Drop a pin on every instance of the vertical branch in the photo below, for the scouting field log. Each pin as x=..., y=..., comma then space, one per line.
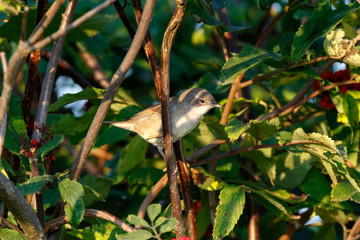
x=184, y=174
x=112, y=89
x=32, y=73
x=3, y=123
x=165, y=116
x=149, y=49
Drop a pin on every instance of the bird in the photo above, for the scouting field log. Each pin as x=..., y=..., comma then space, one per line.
x=186, y=111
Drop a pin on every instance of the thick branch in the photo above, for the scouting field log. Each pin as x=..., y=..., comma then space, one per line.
x=21, y=210
x=112, y=89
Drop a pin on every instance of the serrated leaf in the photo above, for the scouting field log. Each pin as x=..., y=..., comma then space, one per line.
x=9, y=234
x=249, y=57
x=75, y=213
x=52, y=144
x=136, y=235
x=159, y=221
x=135, y=220
x=168, y=225
x=153, y=211
x=323, y=20
x=34, y=184
x=71, y=191
x=229, y=210
x=344, y=191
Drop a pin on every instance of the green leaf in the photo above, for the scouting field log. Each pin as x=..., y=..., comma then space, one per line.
x=249, y=57
x=96, y=189
x=316, y=186
x=202, y=12
x=351, y=110
x=71, y=192
x=34, y=184
x=75, y=213
x=168, y=225
x=136, y=235
x=326, y=232
x=16, y=129
x=132, y=155
x=52, y=144
x=292, y=168
x=9, y=234
x=159, y=221
x=261, y=130
x=322, y=21
x=153, y=211
x=208, y=181
x=135, y=220
x=344, y=191
x=218, y=4
x=228, y=212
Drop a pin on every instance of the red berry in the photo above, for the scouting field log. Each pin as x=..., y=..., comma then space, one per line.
x=28, y=154
x=331, y=106
x=52, y=158
x=327, y=75
x=316, y=85
x=343, y=89
x=34, y=142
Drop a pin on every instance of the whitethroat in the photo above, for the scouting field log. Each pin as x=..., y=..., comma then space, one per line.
x=186, y=111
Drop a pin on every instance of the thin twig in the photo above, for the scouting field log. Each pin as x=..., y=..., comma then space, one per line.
x=112, y=89
x=248, y=149
x=3, y=124
x=56, y=223
x=24, y=23
x=33, y=159
x=354, y=230
x=295, y=225
x=151, y=195
x=165, y=115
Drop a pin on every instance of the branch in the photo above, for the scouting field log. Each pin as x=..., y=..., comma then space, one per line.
x=56, y=223
x=354, y=231
x=295, y=225
x=3, y=122
x=165, y=115
x=252, y=148
x=21, y=210
x=112, y=89
x=151, y=195
x=10, y=225
x=185, y=183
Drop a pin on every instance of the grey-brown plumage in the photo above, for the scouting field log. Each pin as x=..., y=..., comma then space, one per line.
x=186, y=111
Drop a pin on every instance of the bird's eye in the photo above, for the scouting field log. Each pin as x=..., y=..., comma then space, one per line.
x=202, y=101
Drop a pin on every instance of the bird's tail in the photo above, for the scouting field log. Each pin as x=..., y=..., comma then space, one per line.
x=120, y=124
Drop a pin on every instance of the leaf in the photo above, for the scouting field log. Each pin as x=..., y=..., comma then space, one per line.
x=326, y=232
x=16, y=129
x=34, y=184
x=52, y=144
x=136, y=235
x=71, y=192
x=265, y=4
x=9, y=234
x=206, y=180
x=316, y=186
x=159, y=221
x=218, y=4
x=322, y=21
x=96, y=189
x=153, y=211
x=292, y=169
x=132, y=155
x=201, y=12
x=344, y=191
x=261, y=130
x=135, y=220
x=168, y=225
x=229, y=210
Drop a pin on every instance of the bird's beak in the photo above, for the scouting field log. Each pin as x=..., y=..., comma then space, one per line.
x=217, y=105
